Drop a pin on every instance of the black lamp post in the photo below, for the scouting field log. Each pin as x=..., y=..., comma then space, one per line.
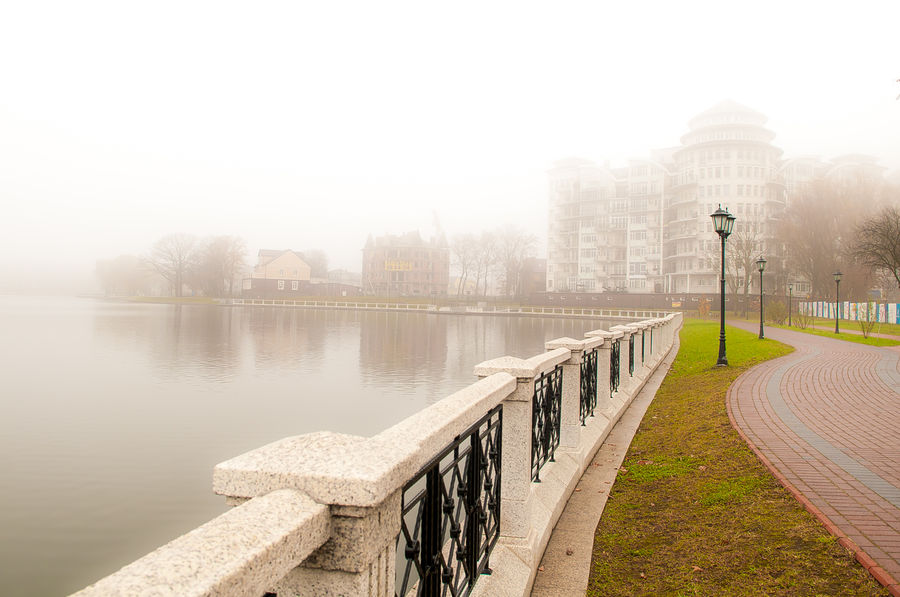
x=837, y=303
x=790, y=302
x=761, y=265
x=723, y=223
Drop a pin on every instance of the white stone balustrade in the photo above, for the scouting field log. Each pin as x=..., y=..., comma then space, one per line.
x=319, y=514
x=238, y=553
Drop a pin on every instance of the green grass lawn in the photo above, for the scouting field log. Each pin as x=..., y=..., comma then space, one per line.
x=694, y=512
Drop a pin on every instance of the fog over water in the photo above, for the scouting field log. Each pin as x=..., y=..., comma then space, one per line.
x=119, y=411
x=298, y=125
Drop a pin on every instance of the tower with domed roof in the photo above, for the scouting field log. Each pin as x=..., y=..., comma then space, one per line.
x=726, y=158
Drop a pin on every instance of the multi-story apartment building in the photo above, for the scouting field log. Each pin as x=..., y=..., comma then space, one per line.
x=726, y=158
x=405, y=265
x=606, y=226
x=646, y=227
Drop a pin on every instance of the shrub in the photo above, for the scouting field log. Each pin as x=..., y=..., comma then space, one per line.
x=776, y=311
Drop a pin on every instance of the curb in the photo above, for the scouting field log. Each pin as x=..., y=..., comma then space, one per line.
x=879, y=573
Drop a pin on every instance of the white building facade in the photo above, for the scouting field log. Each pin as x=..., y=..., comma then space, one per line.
x=645, y=227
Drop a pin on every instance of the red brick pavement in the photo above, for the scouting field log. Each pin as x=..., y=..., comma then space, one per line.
x=826, y=420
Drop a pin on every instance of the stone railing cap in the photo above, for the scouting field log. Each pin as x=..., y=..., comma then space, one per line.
x=546, y=361
x=565, y=342
x=523, y=368
x=611, y=335
x=237, y=553
x=593, y=342
x=514, y=366
x=334, y=468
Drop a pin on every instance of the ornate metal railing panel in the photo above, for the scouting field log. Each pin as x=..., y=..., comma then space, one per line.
x=614, y=359
x=451, y=514
x=642, y=345
x=631, y=354
x=588, y=385
x=545, y=417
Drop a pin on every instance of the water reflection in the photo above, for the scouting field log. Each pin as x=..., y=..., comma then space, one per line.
x=404, y=349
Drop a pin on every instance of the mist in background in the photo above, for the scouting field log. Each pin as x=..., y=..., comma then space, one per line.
x=297, y=125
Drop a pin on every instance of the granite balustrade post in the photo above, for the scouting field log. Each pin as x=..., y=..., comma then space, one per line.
x=658, y=340
x=570, y=423
x=604, y=391
x=570, y=418
x=626, y=379
x=357, y=478
x=515, y=484
x=359, y=558
x=641, y=366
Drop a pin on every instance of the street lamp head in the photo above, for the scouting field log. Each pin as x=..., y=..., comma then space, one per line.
x=720, y=221
x=837, y=276
x=729, y=223
x=761, y=264
x=790, y=288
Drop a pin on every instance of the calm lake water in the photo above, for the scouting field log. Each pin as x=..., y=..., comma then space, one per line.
x=114, y=414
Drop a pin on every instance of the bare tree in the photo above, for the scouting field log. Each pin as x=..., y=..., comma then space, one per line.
x=465, y=252
x=317, y=261
x=172, y=257
x=235, y=260
x=745, y=247
x=817, y=230
x=486, y=259
x=877, y=242
x=513, y=247
x=218, y=263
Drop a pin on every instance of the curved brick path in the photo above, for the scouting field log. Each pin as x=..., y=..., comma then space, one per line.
x=826, y=420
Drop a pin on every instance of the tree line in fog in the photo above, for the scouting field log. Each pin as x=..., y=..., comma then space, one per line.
x=497, y=256
x=212, y=266
x=829, y=226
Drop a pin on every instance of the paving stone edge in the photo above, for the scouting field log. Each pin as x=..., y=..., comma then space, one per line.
x=879, y=573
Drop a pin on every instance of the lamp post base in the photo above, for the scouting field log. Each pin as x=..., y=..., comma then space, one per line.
x=723, y=360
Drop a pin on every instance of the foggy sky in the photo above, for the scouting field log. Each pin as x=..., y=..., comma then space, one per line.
x=301, y=125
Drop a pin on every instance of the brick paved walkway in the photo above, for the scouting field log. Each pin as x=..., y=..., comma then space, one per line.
x=826, y=420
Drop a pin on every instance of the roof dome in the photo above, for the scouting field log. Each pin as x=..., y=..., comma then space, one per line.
x=727, y=112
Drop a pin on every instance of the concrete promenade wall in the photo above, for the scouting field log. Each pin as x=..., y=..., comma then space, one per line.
x=320, y=513
x=530, y=311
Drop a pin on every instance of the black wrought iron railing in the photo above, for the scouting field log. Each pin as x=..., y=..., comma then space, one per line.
x=614, y=360
x=451, y=514
x=588, y=400
x=545, y=417
x=642, y=345
x=631, y=354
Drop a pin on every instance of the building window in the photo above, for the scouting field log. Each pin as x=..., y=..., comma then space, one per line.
x=280, y=284
x=295, y=285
